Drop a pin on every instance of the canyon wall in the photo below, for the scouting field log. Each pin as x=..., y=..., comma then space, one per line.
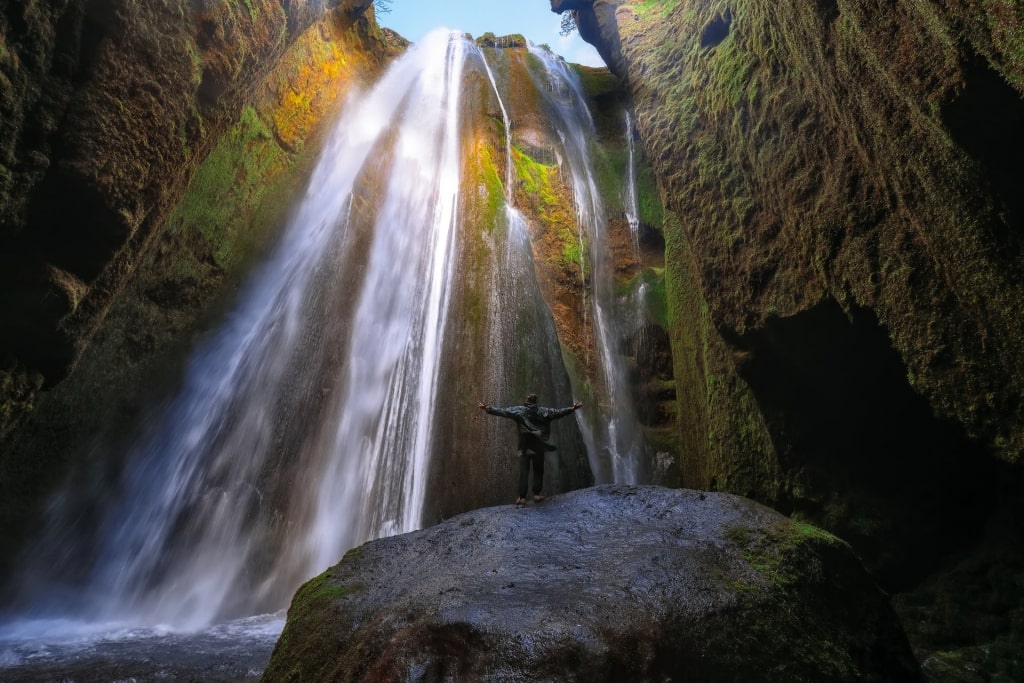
x=108, y=109
x=844, y=259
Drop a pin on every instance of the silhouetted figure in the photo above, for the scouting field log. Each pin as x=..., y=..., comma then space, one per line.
x=534, y=424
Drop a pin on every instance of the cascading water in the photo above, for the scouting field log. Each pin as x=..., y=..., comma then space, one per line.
x=637, y=298
x=308, y=423
x=619, y=446
x=384, y=421
x=211, y=488
x=631, y=204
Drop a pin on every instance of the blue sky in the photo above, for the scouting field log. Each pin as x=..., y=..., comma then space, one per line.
x=413, y=19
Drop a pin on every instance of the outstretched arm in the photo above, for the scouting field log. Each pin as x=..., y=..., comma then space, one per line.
x=491, y=410
x=562, y=412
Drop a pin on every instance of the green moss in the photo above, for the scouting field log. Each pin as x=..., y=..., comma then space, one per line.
x=319, y=588
x=654, y=9
x=610, y=166
x=491, y=181
x=650, y=208
x=572, y=254
x=539, y=188
x=656, y=295
x=534, y=178
x=784, y=552
x=597, y=82
x=227, y=190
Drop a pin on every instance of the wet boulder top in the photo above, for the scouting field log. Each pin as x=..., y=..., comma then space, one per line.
x=603, y=584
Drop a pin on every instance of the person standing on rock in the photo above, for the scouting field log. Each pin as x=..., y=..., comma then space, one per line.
x=534, y=424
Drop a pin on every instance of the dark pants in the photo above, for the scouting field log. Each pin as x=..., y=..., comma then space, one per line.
x=531, y=450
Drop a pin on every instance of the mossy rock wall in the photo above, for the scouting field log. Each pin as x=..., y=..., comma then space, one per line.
x=213, y=228
x=109, y=108
x=833, y=157
x=843, y=252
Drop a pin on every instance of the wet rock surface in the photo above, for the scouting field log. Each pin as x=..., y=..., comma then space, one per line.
x=607, y=583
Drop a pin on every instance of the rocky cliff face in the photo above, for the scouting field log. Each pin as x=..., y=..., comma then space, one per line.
x=844, y=256
x=108, y=108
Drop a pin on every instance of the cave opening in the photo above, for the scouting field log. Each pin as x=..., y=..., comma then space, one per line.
x=863, y=453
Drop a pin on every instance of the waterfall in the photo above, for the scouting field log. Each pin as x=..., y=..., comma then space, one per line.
x=291, y=440
x=382, y=437
x=309, y=421
x=618, y=454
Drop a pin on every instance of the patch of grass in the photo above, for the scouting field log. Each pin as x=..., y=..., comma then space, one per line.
x=654, y=9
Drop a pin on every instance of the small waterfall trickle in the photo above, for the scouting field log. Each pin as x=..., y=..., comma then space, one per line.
x=636, y=300
x=619, y=454
x=631, y=204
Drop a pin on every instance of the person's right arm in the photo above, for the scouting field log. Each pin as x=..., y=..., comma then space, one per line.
x=492, y=410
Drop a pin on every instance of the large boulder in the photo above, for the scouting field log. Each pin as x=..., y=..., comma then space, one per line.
x=609, y=583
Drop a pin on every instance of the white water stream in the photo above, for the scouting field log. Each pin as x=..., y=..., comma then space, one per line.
x=184, y=545
x=292, y=440
x=631, y=204
x=618, y=452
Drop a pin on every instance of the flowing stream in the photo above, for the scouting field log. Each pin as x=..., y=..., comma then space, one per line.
x=305, y=424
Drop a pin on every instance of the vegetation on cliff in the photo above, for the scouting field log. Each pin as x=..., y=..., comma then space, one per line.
x=843, y=258
x=213, y=227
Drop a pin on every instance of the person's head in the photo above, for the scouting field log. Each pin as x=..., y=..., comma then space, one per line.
x=531, y=399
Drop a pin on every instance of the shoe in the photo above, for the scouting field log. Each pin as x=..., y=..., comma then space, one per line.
x=538, y=497
x=520, y=501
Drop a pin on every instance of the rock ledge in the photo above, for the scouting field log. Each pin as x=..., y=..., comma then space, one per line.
x=604, y=584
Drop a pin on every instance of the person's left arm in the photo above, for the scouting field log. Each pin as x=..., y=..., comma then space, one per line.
x=555, y=413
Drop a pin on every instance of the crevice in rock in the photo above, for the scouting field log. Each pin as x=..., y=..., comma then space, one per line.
x=211, y=89
x=863, y=453
x=986, y=120
x=74, y=229
x=717, y=31
x=829, y=10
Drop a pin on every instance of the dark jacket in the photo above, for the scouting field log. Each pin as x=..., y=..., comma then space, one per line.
x=534, y=422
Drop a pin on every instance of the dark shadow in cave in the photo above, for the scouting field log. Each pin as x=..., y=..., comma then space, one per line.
x=717, y=31
x=987, y=120
x=864, y=454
